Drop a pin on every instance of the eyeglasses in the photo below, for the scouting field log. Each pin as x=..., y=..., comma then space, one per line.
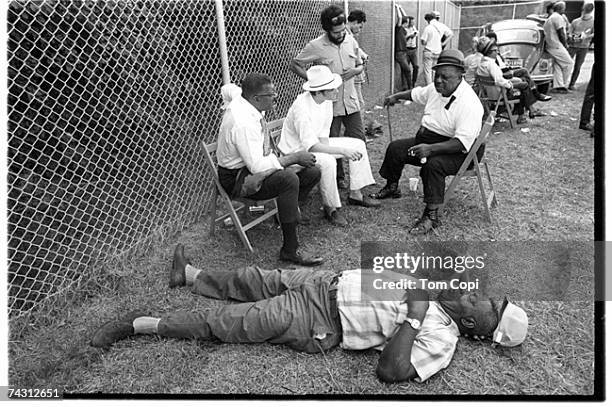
x=268, y=94
x=339, y=19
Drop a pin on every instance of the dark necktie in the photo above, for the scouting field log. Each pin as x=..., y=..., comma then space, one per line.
x=450, y=102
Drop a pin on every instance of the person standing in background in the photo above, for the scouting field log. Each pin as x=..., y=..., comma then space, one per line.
x=340, y=53
x=556, y=45
x=432, y=46
x=412, y=43
x=401, y=54
x=581, y=32
x=446, y=32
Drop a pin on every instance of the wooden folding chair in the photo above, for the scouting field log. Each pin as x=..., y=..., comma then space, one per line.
x=240, y=204
x=489, y=200
x=491, y=94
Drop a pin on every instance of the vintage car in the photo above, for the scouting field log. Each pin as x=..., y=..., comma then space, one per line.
x=521, y=43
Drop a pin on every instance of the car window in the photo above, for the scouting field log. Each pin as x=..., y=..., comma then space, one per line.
x=517, y=35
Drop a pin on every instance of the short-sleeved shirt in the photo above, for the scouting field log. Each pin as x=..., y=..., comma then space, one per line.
x=338, y=58
x=412, y=42
x=371, y=324
x=552, y=24
x=462, y=120
x=241, y=139
x=582, y=25
x=432, y=38
x=307, y=121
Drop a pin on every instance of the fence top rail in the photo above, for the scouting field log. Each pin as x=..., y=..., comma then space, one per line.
x=502, y=5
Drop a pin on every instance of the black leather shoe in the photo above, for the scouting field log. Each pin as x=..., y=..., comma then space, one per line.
x=427, y=223
x=297, y=258
x=559, y=90
x=114, y=331
x=544, y=98
x=366, y=202
x=536, y=113
x=388, y=191
x=587, y=127
x=177, y=274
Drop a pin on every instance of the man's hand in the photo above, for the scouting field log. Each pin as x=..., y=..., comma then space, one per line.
x=391, y=100
x=420, y=150
x=351, y=154
x=349, y=73
x=305, y=159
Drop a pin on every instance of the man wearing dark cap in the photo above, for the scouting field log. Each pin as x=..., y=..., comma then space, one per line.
x=451, y=123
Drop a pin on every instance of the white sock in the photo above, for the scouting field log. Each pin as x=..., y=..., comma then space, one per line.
x=145, y=325
x=191, y=273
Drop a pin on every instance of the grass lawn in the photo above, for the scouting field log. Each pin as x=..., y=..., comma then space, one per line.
x=545, y=185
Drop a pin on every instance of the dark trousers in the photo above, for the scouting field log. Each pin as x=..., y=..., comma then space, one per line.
x=526, y=98
x=402, y=59
x=353, y=127
x=287, y=186
x=433, y=172
x=580, y=54
x=293, y=307
x=587, y=103
x=412, y=54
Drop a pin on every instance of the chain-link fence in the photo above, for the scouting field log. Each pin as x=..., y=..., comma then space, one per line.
x=108, y=102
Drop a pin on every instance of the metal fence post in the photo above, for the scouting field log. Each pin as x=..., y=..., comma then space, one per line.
x=393, y=17
x=222, y=41
x=346, y=8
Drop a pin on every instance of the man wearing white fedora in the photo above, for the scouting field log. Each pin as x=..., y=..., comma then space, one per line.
x=306, y=128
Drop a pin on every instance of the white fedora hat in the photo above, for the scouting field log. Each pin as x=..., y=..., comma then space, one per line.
x=321, y=78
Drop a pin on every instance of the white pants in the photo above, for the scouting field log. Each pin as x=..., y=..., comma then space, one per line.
x=562, y=67
x=360, y=173
x=429, y=60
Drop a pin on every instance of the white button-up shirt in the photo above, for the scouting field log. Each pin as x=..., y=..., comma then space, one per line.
x=306, y=122
x=241, y=139
x=462, y=120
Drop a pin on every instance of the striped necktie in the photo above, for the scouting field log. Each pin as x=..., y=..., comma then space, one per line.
x=266, y=137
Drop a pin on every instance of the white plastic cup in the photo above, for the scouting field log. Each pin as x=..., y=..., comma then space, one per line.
x=414, y=184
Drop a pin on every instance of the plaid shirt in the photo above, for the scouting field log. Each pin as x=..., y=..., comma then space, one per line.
x=368, y=323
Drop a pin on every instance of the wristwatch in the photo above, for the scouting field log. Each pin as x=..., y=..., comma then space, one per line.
x=414, y=323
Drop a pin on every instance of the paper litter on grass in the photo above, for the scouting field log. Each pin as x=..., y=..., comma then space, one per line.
x=525, y=130
x=554, y=113
x=377, y=107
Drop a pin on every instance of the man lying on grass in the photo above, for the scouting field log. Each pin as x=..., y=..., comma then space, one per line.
x=315, y=310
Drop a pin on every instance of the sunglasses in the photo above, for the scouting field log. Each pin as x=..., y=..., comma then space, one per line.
x=268, y=95
x=339, y=19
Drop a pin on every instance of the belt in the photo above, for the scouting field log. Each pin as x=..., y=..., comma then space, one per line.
x=411, y=48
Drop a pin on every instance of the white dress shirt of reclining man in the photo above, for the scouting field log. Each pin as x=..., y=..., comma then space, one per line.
x=315, y=310
x=451, y=122
x=249, y=167
x=306, y=128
